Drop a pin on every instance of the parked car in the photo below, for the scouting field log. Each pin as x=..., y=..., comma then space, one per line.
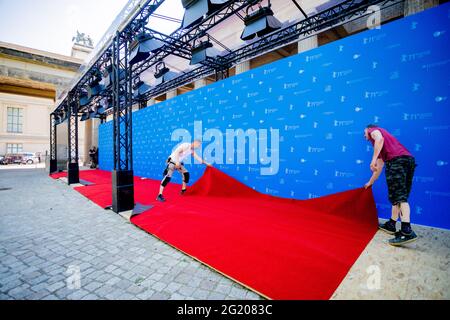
x=3, y=161
x=29, y=158
x=13, y=158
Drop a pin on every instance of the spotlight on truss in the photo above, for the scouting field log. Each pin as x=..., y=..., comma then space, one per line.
x=142, y=46
x=140, y=88
x=95, y=90
x=61, y=116
x=260, y=22
x=106, y=104
x=57, y=118
x=202, y=51
x=197, y=9
x=85, y=116
x=97, y=111
x=109, y=76
x=101, y=108
x=84, y=99
x=163, y=74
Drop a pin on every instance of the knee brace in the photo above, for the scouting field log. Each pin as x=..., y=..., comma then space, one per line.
x=166, y=181
x=186, y=177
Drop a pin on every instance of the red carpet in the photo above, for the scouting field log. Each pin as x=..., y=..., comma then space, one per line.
x=58, y=175
x=281, y=248
x=94, y=176
x=100, y=192
x=284, y=249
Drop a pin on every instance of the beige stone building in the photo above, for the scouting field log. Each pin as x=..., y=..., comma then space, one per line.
x=30, y=82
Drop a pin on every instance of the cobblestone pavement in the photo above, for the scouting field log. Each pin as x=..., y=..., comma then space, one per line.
x=50, y=235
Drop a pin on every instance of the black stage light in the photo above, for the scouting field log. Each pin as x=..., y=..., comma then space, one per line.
x=84, y=99
x=163, y=74
x=93, y=113
x=63, y=116
x=85, y=116
x=109, y=76
x=197, y=9
x=57, y=118
x=142, y=46
x=98, y=112
x=140, y=88
x=259, y=22
x=106, y=104
x=94, y=90
x=96, y=76
x=201, y=52
x=100, y=109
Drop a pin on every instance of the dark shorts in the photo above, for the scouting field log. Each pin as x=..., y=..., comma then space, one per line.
x=399, y=176
x=171, y=168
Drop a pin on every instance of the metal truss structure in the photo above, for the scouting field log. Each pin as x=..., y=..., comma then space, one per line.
x=122, y=104
x=322, y=21
x=180, y=43
x=72, y=164
x=123, y=188
x=53, y=143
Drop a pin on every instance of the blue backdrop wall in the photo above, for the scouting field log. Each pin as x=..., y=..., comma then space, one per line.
x=319, y=103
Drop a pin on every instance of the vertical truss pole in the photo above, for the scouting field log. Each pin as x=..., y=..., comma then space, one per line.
x=72, y=161
x=122, y=177
x=129, y=110
x=53, y=144
x=116, y=101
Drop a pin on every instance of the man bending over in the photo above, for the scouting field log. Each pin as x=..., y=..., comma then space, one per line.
x=400, y=167
x=175, y=162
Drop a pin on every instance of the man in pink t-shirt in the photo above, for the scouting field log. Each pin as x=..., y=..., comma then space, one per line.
x=400, y=167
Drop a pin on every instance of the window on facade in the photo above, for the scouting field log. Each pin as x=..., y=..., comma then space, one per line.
x=15, y=120
x=14, y=148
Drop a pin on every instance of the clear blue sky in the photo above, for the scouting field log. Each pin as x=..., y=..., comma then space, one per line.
x=50, y=24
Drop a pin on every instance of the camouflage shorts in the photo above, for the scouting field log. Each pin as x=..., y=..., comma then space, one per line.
x=399, y=176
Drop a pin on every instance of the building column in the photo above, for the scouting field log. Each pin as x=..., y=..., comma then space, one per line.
x=199, y=83
x=171, y=94
x=95, y=127
x=308, y=44
x=151, y=102
x=86, y=143
x=415, y=6
x=62, y=147
x=243, y=67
